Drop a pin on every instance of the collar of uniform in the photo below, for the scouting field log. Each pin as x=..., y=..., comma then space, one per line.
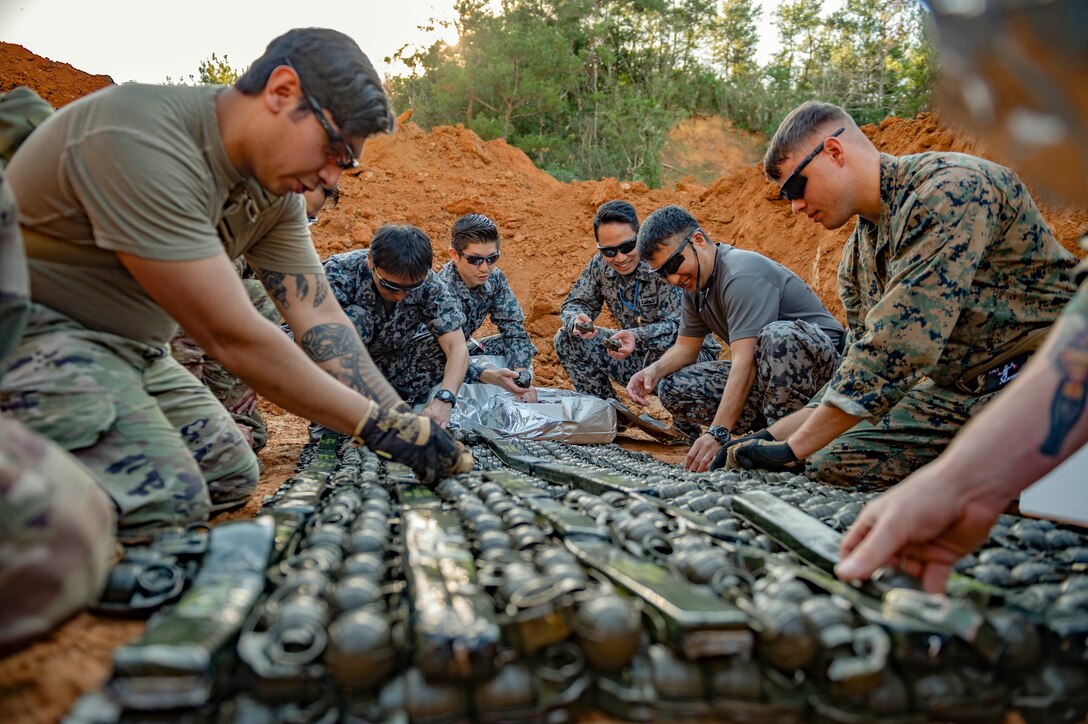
x=889, y=192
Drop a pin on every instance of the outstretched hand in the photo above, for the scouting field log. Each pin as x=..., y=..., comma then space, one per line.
x=922, y=526
x=641, y=384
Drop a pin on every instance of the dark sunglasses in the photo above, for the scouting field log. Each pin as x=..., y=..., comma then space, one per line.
x=793, y=187
x=397, y=288
x=609, y=252
x=346, y=155
x=478, y=260
x=672, y=264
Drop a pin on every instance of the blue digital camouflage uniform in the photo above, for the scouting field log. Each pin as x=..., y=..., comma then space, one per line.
x=389, y=330
x=641, y=302
x=56, y=523
x=960, y=268
x=226, y=387
x=495, y=298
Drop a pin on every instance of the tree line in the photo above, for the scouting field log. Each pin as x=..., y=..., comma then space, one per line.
x=590, y=88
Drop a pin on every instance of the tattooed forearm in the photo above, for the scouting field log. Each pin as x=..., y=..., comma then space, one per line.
x=328, y=341
x=273, y=283
x=1070, y=359
x=276, y=284
x=321, y=291
x=340, y=345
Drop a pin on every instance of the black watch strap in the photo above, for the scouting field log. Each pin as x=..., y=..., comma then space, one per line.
x=446, y=396
x=719, y=433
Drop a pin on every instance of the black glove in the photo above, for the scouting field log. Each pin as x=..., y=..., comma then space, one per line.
x=416, y=441
x=774, y=456
x=720, y=458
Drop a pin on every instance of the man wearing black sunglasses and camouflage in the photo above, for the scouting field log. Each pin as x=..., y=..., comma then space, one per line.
x=950, y=281
x=133, y=202
x=645, y=306
x=473, y=279
x=783, y=343
x=390, y=293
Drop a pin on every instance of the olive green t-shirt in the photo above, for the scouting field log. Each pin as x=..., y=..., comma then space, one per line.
x=142, y=170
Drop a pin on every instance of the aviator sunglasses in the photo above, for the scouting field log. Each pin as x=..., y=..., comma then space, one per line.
x=478, y=260
x=397, y=288
x=793, y=188
x=609, y=252
x=672, y=264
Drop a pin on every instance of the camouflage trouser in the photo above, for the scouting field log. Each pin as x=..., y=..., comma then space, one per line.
x=590, y=368
x=228, y=389
x=793, y=361
x=56, y=534
x=913, y=433
x=154, y=437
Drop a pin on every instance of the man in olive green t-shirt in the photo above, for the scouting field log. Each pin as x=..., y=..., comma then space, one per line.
x=133, y=201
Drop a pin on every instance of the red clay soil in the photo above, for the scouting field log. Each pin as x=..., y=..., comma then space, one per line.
x=429, y=179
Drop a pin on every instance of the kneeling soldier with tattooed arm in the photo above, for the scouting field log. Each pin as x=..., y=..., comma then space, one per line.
x=133, y=202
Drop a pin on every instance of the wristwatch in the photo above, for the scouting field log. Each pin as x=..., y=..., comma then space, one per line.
x=719, y=433
x=446, y=396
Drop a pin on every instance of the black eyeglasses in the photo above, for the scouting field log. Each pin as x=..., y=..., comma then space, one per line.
x=672, y=264
x=793, y=187
x=346, y=154
x=609, y=252
x=478, y=260
x=397, y=288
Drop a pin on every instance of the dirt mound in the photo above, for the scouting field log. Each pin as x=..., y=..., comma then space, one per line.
x=704, y=148
x=58, y=83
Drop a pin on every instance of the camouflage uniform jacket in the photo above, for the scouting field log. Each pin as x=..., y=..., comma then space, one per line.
x=960, y=268
x=494, y=297
x=431, y=305
x=643, y=303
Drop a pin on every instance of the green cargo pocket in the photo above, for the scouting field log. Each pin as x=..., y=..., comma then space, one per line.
x=73, y=421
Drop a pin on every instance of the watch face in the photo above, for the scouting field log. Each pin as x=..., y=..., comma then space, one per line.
x=445, y=396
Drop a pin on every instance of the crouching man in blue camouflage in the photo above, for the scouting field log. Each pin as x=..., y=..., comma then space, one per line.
x=56, y=523
x=644, y=305
x=783, y=342
x=389, y=292
x=482, y=290
x=950, y=280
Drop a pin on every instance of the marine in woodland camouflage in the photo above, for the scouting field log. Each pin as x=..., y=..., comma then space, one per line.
x=390, y=331
x=960, y=268
x=793, y=360
x=653, y=316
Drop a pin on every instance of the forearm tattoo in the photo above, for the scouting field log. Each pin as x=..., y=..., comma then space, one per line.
x=1070, y=358
x=275, y=283
x=338, y=343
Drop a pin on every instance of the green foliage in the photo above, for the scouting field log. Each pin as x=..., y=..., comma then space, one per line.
x=590, y=88
x=211, y=71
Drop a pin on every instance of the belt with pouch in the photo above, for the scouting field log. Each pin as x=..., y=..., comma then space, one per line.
x=999, y=371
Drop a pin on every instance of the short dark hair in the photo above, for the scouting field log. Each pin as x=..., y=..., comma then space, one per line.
x=615, y=212
x=662, y=225
x=402, y=249
x=474, y=229
x=335, y=71
x=796, y=128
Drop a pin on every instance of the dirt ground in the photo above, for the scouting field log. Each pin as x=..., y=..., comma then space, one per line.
x=429, y=179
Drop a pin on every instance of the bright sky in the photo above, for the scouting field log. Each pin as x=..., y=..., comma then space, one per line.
x=148, y=40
